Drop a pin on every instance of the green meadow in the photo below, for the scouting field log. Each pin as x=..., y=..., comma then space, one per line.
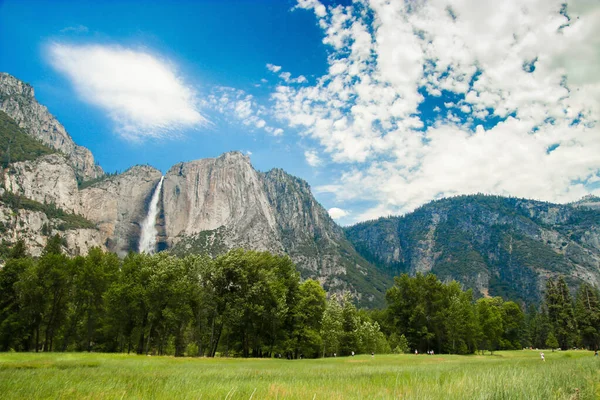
x=504, y=375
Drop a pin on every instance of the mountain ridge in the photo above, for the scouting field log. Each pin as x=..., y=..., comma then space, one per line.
x=17, y=100
x=495, y=245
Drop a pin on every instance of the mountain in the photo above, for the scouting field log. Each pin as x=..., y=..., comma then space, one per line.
x=495, y=245
x=205, y=206
x=17, y=100
x=216, y=204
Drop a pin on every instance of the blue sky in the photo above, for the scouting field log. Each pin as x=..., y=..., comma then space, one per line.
x=380, y=106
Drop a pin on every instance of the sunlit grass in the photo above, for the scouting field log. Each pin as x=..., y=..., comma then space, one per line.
x=505, y=375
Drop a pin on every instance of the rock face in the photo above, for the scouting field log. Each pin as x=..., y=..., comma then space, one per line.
x=213, y=205
x=498, y=246
x=18, y=101
x=34, y=227
x=48, y=179
x=207, y=194
x=118, y=205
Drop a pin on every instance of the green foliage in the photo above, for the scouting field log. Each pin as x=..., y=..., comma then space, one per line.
x=81, y=184
x=308, y=317
x=587, y=314
x=243, y=303
x=252, y=304
x=489, y=313
x=16, y=144
x=332, y=327
x=402, y=346
x=551, y=342
x=561, y=312
x=431, y=315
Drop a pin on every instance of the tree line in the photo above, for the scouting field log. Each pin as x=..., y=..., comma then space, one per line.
x=243, y=303
x=253, y=304
x=430, y=315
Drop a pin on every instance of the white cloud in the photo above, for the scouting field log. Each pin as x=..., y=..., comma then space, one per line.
x=337, y=213
x=287, y=76
x=273, y=68
x=143, y=94
x=312, y=158
x=318, y=8
x=523, y=67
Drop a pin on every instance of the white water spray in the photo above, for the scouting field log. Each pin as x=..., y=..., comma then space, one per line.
x=149, y=232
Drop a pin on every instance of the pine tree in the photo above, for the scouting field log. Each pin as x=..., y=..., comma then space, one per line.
x=560, y=312
x=587, y=313
x=551, y=342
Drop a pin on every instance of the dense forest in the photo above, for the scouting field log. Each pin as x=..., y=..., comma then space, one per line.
x=252, y=304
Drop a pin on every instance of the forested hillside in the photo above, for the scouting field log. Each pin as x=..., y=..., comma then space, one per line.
x=498, y=246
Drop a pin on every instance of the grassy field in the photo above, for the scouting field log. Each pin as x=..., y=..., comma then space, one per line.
x=505, y=375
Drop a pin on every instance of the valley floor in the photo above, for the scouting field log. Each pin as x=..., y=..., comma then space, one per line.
x=505, y=375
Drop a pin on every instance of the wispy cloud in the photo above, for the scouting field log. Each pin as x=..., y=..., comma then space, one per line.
x=312, y=158
x=142, y=93
x=75, y=29
x=514, y=89
x=286, y=76
x=241, y=106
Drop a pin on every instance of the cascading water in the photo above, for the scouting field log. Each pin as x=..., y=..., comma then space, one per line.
x=149, y=232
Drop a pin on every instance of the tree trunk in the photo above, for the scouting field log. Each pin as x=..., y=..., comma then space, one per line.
x=148, y=341
x=215, y=344
x=37, y=338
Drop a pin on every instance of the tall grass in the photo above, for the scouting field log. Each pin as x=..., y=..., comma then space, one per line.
x=505, y=375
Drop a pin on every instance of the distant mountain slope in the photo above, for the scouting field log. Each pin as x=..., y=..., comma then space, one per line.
x=496, y=245
x=18, y=101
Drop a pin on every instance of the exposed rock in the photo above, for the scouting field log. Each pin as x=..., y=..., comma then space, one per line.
x=81, y=241
x=207, y=194
x=48, y=179
x=29, y=226
x=118, y=205
x=18, y=101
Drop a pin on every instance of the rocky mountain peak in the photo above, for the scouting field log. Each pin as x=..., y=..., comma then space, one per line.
x=18, y=101
x=589, y=201
x=11, y=86
x=234, y=156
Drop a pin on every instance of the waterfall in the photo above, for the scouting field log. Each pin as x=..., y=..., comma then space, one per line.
x=149, y=232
